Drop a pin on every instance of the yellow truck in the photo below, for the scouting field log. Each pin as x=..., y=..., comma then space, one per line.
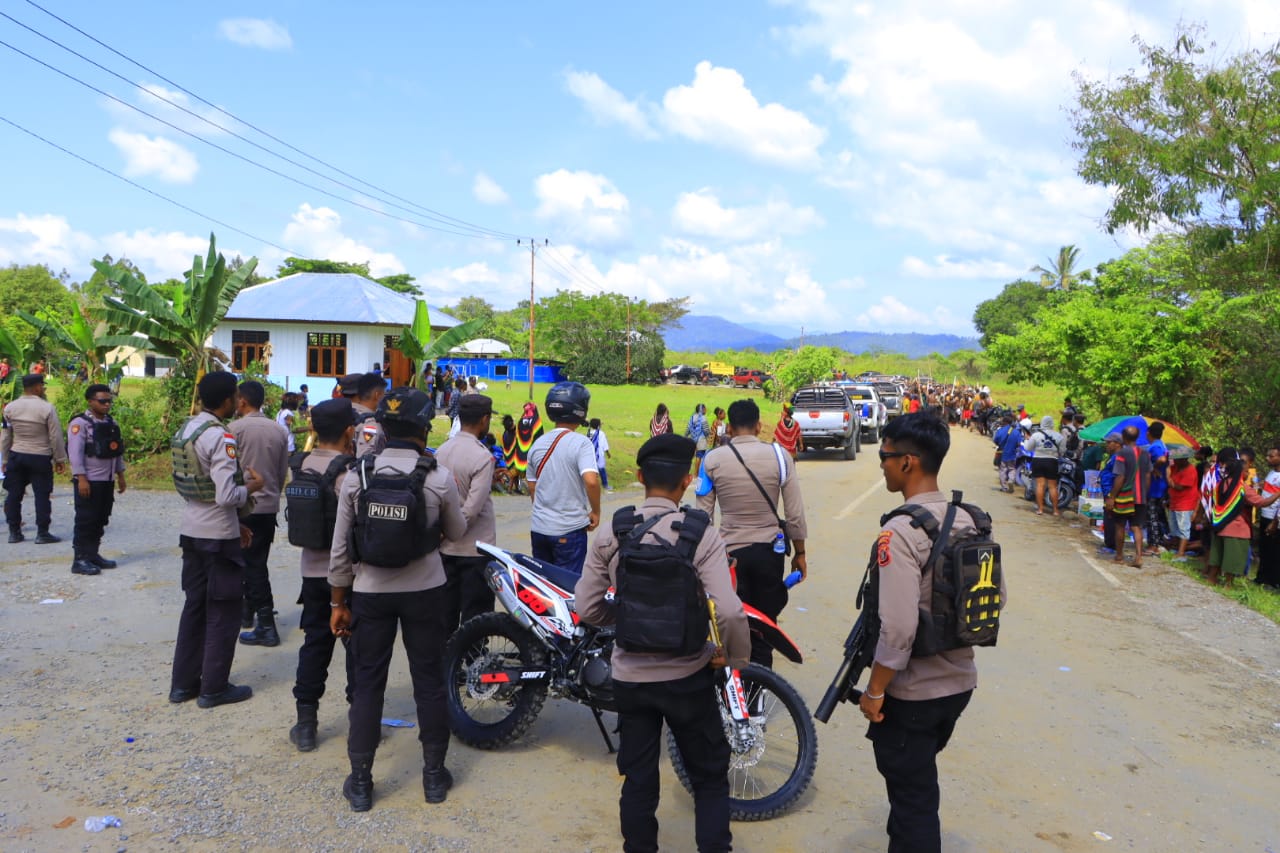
x=717, y=371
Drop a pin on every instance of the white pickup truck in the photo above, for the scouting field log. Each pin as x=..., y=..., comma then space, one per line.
x=827, y=419
x=872, y=412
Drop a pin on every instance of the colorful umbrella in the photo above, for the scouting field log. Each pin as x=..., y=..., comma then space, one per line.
x=1172, y=433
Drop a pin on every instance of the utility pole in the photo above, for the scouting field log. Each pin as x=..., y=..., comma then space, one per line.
x=802, y=337
x=628, y=374
x=533, y=248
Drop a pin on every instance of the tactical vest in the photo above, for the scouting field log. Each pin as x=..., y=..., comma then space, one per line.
x=661, y=604
x=390, y=529
x=190, y=481
x=104, y=440
x=965, y=606
x=311, y=508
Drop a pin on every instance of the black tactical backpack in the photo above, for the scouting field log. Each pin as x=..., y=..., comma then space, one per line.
x=966, y=604
x=390, y=529
x=661, y=604
x=311, y=505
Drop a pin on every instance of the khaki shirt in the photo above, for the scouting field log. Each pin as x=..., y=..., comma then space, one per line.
x=369, y=436
x=95, y=469
x=472, y=467
x=905, y=590
x=441, y=495
x=599, y=573
x=31, y=425
x=218, y=455
x=264, y=447
x=745, y=517
x=314, y=561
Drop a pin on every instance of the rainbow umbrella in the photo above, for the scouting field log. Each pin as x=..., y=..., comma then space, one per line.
x=1172, y=432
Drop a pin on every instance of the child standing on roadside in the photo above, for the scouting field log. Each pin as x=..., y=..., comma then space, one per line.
x=600, y=442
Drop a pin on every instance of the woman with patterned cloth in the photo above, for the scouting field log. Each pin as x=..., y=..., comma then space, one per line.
x=661, y=422
x=528, y=430
x=1232, y=495
x=699, y=430
x=787, y=433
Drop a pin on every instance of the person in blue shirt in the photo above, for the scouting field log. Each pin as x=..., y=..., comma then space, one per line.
x=1010, y=443
x=1106, y=479
x=1158, y=496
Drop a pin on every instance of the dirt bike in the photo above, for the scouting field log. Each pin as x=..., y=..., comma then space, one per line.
x=500, y=668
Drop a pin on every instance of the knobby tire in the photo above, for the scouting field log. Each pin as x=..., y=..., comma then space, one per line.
x=488, y=716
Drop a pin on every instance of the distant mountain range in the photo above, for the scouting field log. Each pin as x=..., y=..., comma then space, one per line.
x=707, y=333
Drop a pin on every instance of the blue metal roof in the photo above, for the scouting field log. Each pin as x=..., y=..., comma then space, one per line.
x=318, y=297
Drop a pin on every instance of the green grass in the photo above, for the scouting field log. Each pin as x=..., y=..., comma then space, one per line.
x=1039, y=401
x=1246, y=592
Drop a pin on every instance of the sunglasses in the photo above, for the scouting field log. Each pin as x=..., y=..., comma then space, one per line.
x=104, y=401
x=894, y=454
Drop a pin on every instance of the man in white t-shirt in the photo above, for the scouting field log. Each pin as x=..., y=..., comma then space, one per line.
x=564, y=481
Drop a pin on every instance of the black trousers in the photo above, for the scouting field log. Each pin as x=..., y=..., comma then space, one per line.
x=466, y=592
x=1268, y=556
x=257, y=581
x=760, y=573
x=92, y=516
x=374, y=620
x=689, y=708
x=906, y=746
x=1108, y=529
x=212, y=574
x=318, y=641
x=34, y=470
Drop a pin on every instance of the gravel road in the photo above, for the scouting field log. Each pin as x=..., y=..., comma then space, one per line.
x=1124, y=709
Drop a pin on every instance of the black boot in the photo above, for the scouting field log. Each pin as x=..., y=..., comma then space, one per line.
x=303, y=733
x=246, y=615
x=15, y=535
x=44, y=537
x=265, y=634
x=358, y=787
x=436, y=778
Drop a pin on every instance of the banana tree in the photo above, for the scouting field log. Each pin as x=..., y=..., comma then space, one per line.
x=416, y=343
x=76, y=337
x=177, y=321
x=19, y=357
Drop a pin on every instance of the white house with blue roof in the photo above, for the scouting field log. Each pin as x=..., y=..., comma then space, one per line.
x=315, y=327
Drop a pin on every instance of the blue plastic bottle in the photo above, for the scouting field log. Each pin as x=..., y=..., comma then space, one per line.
x=780, y=544
x=792, y=579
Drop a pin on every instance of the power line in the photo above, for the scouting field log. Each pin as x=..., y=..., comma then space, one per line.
x=181, y=88
x=439, y=218
x=239, y=156
x=576, y=271
x=148, y=190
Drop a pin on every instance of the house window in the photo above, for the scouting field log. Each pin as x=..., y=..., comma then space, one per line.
x=326, y=354
x=247, y=346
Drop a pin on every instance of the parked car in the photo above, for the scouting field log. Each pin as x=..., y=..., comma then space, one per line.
x=827, y=419
x=685, y=374
x=891, y=396
x=744, y=378
x=871, y=411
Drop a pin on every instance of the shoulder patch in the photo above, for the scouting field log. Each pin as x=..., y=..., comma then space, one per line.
x=75, y=429
x=883, y=554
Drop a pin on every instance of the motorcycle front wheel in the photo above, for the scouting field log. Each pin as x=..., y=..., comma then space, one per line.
x=768, y=774
x=490, y=715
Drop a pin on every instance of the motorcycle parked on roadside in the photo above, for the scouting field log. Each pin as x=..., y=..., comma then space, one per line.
x=501, y=666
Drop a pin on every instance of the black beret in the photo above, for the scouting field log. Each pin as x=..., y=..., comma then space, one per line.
x=349, y=385
x=667, y=449
x=475, y=405
x=332, y=415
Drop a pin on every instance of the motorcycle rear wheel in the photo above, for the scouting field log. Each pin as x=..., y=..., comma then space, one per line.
x=488, y=716
x=766, y=781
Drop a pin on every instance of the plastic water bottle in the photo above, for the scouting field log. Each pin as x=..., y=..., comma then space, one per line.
x=780, y=543
x=792, y=579
x=97, y=824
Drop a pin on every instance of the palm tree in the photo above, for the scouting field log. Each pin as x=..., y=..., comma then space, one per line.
x=416, y=344
x=76, y=337
x=1061, y=272
x=175, y=321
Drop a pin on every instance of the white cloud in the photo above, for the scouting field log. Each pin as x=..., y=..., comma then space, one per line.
x=317, y=232
x=487, y=191
x=159, y=254
x=168, y=105
x=43, y=239
x=154, y=155
x=586, y=205
x=606, y=104
x=945, y=267
x=891, y=314
x=701, y=214
x=719, y=109
x=255, y=32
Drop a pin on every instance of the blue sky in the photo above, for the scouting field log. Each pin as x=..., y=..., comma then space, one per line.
x=817, y=163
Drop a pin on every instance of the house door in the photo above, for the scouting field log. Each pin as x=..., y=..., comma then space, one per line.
x=398, y=368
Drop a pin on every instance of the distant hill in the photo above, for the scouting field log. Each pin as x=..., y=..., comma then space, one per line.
x=708, y=333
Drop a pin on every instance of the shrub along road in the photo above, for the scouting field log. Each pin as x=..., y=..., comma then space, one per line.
x=1131, y=703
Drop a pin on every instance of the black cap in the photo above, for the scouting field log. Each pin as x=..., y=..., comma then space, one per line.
x=350, y=384
x=475, y=406
x=406, y=405
x=31, y=380
x=332, y=415
x=667, y=449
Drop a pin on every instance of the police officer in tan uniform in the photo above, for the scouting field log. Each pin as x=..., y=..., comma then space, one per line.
x=263, y=445
x=32, y=449
x=465, y=455
x=96, y=450
x=371, y=601
x=369, y=438
x=651, y=687
x=746, y=477
x=212, y=539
